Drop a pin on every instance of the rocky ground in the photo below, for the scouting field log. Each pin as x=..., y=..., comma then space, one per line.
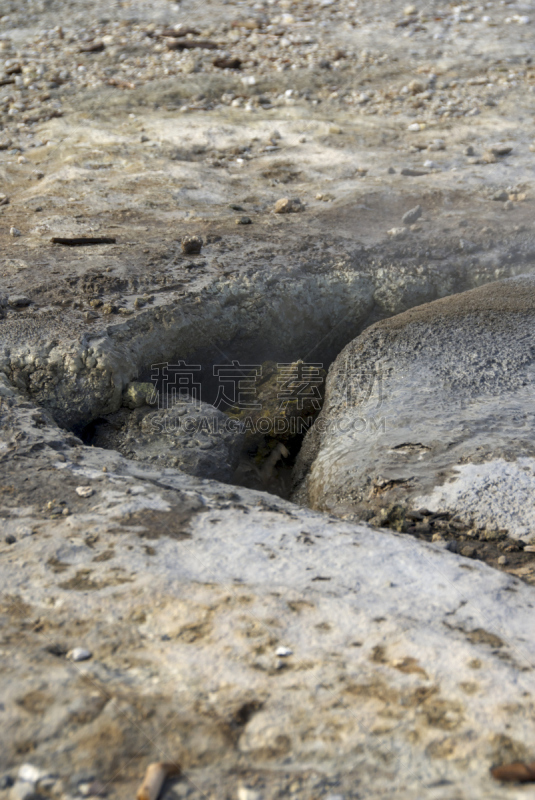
x=343, y=162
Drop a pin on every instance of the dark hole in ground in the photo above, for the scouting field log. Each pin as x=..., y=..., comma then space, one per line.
x=249, y=434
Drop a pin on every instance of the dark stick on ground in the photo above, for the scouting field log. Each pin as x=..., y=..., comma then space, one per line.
x=80, y=241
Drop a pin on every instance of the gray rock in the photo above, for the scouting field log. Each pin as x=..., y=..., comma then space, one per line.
x=194, y=437
x=191, y=245
x=410, y=217
x=413, y=173
x=18, y=300
x=501, y=149
x=288, y=205
x=433, y=409
x=436, y=145
x=79, y=654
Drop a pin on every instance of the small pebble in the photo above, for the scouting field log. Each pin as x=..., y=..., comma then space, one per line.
x=244, y=221
x=397, y=233
x=287, y=205
x=416, y=87
x=192, y=245
x=500, y=149
x=18, y=301
x=468, y=551
x=469, y=151
x=79, y=654
x=84, y=491
x=410, y=217
x=10, y=539
x=15, y=231
x=503, y=560
x=30, y=773
x=413, y=173
x=283, y=652
x=245, y=793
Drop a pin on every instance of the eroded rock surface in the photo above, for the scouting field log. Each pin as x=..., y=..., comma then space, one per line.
x=260, y=644
x=434, y=409
x=275, y=651
x=193, y=436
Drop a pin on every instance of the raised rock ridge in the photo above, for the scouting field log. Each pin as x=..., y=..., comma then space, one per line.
x=433, y=409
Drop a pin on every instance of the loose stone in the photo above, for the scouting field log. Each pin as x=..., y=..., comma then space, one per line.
x=410, y=217
x=501, y=149
x=79, y=654
x=192, y=245
x=84, y=491
x=288, y=205
x=413, y=173
x=18, y=301
x=437, y=144
x=29, y=773
x=283, y=652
